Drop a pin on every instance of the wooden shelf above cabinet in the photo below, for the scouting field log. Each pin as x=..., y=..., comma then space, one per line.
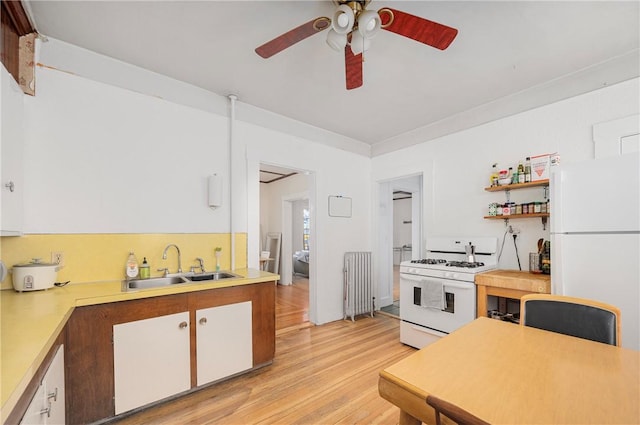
x=510, y=216
x=517, y=186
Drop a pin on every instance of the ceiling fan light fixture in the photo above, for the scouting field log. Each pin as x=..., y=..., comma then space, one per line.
x=336, y=41
x=343, y=19
x=369, y=23
x=358, y=43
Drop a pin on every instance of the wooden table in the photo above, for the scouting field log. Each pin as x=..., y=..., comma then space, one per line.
x=509, y=284
x=510, y=374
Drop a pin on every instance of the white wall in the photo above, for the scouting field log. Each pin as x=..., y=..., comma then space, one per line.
x=129, y=151
x=456, y=167
x=103, y=159
x=271, y=196
x=335, y=172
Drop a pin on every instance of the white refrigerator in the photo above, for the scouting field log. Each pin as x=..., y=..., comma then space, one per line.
x=595, y=235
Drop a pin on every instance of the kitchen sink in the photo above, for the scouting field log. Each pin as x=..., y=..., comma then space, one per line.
x=211, y=276
x=155, y=282
x=159, y=282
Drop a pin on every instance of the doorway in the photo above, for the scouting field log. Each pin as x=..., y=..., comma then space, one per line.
x=285, y=210
x=400, y=224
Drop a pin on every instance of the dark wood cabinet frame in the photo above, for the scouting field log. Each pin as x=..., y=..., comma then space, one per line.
x=88, y=341
x=89, y=357
x=14, y=24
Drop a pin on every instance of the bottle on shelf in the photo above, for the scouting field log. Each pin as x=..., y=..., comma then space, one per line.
x=494, y=174
x=520, y=172
x=527, y=170
x=513, y=175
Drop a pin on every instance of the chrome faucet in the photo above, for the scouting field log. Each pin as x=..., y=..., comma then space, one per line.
x=164, y=255
x=201, y=261
x=199, y=266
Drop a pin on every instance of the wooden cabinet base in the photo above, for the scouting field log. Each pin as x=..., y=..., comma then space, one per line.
x=90, y=357
x=509, y=284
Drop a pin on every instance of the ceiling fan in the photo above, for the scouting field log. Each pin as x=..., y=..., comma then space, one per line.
x=352, y=28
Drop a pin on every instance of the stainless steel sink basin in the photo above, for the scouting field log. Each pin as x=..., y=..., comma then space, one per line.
x=159, y=282
x=211, y=276
x=156, y=282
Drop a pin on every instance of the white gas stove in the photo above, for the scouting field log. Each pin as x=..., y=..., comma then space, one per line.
x=438, y=293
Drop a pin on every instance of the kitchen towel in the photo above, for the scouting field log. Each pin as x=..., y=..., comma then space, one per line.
x=432, y=295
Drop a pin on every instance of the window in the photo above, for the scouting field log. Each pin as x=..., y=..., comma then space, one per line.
x=305, y=229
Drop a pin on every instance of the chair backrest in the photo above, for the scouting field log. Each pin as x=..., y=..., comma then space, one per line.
x=453, y=412
x=577, y=317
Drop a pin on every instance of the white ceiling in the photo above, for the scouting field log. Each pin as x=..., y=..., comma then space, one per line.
x=509, y=56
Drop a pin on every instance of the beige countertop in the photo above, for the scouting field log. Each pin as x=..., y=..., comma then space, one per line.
x=515, y=279
x=31, y=322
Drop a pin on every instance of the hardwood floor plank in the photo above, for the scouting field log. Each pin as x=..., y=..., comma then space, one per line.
x=321, y=375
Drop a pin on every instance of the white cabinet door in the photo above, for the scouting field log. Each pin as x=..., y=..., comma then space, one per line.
x=224, y=341
x=36, y=412
x=47, y=405
x=11, y=147
x=53, y=383
x=151, y=360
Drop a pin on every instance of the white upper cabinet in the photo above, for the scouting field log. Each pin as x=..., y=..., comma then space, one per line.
x=12, y=145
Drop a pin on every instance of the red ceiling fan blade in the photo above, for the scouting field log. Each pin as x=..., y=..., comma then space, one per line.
x=353, y=68
x=290, y=38
x=419, y=29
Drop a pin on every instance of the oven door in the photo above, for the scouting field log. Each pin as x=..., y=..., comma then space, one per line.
x=460, y=297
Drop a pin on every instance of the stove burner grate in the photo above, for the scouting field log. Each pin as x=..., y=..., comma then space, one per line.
x=465, y=264
x=429, y=261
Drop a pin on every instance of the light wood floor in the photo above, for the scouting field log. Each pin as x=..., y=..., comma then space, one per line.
x=324, y=374
x=292, y=304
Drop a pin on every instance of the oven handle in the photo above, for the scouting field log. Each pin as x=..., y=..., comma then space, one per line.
x=448, y=283
x=428, y=331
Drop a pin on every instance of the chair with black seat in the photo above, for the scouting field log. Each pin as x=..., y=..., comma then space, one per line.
x=579, y=317
x=453, y=412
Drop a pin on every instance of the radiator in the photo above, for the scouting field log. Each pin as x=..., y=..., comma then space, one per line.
x=358, y=284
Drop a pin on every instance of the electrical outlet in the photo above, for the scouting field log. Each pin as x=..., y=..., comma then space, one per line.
x=57, y=257
x=514, y=230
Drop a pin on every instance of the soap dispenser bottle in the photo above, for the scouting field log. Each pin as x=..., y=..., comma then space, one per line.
x=145, y=271
x=132, y=266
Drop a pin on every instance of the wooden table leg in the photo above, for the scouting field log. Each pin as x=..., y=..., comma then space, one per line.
x=482, y=301
x=407, y=419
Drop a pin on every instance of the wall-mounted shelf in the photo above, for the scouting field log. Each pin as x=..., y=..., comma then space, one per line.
x=508, y=217
x=507, y=189
x=517, y=186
